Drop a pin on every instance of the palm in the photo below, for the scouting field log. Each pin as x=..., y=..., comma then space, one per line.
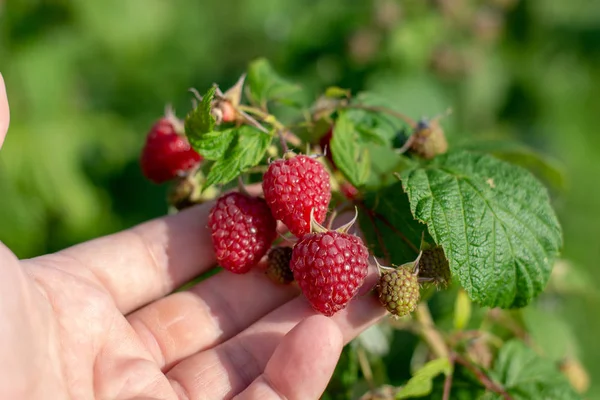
x=97, y=321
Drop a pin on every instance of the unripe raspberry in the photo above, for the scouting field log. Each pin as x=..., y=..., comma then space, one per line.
x=433, y=266
x=398, y=290
x=428, y=139
x=278, y=265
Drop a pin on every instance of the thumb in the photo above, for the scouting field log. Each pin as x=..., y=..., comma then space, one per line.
x=4, y=111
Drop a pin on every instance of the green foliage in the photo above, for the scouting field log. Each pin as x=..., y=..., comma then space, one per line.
x=421, y=383
x=494, y=221
x=350, y=157
x=388, y=225
x=265, y=85
x=88, y=79
x=200, y=121
x=527, y=376
x=246, y=149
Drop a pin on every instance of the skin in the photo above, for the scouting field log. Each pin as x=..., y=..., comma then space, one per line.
x=99, y=321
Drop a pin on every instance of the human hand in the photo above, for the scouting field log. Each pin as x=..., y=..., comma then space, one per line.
x=99, y=321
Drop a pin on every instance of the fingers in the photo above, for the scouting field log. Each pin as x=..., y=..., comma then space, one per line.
x=20, y=348
x=229, y=368
x=4, y=111
x=146, y=262
x=302, y=364
x=215, y=310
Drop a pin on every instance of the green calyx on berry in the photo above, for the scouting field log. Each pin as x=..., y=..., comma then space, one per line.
x=316, y=227
x=398, y=288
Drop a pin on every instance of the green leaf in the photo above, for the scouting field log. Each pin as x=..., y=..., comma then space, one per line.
x=552, y=335
x=388, y=225
x=246, y=150
x=462, y=310
x=351, y=158
x=422, y=382
x=265, y=85
x=494, y=221
x=527, y=376
x=337, y=92
x=545, y=167
x=200, y=121
x=375, y=126
x=213, y=145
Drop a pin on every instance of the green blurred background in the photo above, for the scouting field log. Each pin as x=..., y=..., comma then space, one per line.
x=86, y=79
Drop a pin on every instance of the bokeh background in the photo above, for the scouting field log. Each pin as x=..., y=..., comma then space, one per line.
x=86, y=79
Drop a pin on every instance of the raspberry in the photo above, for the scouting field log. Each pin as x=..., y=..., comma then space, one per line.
x=295, y=186
x=223, y=111
x=429, y=139
x=167, y=154
x=278, y=265
x=434, y=266
x=398, y=290
x=330, y=267
x=349, y=191
x=242, y=230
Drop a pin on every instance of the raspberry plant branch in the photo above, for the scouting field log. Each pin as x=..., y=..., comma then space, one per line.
x=429, y=333
x=448, y=380
x=485, y=380
x=439, y=216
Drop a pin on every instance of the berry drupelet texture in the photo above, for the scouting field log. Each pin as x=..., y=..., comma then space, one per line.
x=242, y=230
x=434, y=266
x=278, y=265
x=330, y=267
x=167, y=154
x=398, y=291
x=295, y=186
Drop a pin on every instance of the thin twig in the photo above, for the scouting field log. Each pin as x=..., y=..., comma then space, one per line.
x=282, y=142
x=407, y=145
x=365, y=367
x=482, y=377
x=429, y=334
x=448, y=380
x=253, y=122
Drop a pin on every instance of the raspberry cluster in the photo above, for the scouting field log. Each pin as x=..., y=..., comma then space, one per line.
x=329, y=266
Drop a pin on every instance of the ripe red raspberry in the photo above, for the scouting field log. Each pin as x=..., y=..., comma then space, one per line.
x=350, y=192
x=242, y=230
x=166, y=154
x=295, y=186
x=330, y=267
